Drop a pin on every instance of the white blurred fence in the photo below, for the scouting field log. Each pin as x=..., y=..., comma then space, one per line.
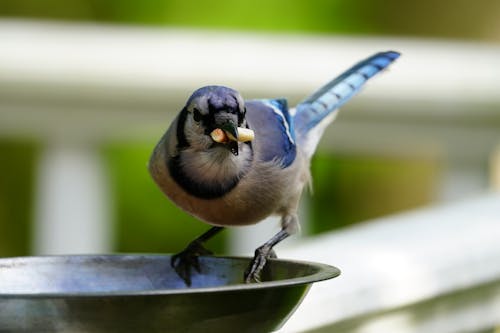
x=432, y=270
x=80, y=86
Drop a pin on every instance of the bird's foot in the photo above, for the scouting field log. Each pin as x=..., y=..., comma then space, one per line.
x=254, y=270
x=187, y=258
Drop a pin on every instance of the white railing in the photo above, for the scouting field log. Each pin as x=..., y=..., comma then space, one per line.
x=74, y=87
x=431, y=270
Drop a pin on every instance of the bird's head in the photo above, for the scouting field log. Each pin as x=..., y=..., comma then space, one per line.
x=215, y=116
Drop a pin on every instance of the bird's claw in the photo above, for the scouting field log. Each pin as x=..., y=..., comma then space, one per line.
x=254, y=270
x=187, y=258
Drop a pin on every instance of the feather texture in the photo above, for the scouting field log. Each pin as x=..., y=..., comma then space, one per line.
x=274, y=132
x=229, y=182
x=321, y=107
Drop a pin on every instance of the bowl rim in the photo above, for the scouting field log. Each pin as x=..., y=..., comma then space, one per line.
x=324, y=272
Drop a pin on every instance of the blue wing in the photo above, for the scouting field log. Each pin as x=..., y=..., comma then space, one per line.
x=337, y=92
x=274, y=132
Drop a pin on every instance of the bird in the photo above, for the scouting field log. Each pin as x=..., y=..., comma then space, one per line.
x=205, y=167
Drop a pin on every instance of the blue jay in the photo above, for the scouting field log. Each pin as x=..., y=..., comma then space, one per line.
x=232, y=182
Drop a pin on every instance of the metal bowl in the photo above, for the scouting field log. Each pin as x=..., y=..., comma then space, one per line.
x=142, y=293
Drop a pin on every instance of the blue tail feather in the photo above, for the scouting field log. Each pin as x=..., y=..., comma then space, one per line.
x=337, y=92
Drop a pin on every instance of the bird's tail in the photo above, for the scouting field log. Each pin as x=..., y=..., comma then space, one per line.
x=319, y=109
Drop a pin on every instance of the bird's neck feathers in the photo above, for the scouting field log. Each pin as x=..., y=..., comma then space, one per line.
x=210, y=173
x=216, y=164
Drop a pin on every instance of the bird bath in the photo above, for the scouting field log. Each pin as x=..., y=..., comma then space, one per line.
x=142, y=293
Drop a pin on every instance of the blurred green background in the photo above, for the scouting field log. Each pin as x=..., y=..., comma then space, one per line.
x=459, y=19
x=347, y=188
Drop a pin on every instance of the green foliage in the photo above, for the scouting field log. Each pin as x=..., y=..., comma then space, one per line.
x=351, y=189
x=16, y=187
x=446, y=18
x=146, y=220
x=278, y=15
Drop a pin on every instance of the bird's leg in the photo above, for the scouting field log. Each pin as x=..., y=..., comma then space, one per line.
x=289, y=227
x=187, y=258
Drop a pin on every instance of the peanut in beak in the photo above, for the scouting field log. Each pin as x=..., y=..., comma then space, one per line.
x=221, y=136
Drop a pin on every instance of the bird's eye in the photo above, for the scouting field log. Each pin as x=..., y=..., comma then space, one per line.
x=196, y=115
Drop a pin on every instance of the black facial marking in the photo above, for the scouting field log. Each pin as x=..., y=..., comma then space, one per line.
x=241, y=116
x=211, y=107
x=196, y=115
x=181, y=137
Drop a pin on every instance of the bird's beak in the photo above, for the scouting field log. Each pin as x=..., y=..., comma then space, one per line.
x=231, y=131
x=229, y=134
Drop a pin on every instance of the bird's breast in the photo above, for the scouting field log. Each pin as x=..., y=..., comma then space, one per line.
x=260, y=193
